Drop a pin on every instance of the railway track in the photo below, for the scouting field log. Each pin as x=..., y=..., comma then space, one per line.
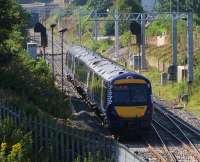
x=171, y=138
x=152, y=148
x=182, y=138
x=165, y=144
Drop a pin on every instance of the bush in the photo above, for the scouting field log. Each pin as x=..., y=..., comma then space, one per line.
x=32, y=81
x=15, y=144
x=125, y=38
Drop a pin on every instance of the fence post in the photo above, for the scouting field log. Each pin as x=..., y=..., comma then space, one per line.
x=35, y=141
x=62, y=142
x=46, y=137
x=77, y=137
x=40, y=124
x=67, y=143
x=56, y=143
x=51, y=140
x=83, y=143
x=72, y=142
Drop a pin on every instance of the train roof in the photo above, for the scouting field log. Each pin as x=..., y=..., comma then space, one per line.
x=107, y=69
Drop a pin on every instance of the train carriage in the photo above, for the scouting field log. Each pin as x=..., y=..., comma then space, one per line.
x=124, y=97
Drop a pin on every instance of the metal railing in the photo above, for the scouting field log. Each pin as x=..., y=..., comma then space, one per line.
x=65, y=143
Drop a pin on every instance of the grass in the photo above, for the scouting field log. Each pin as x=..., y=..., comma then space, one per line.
x=173, y=92
x=168, y=91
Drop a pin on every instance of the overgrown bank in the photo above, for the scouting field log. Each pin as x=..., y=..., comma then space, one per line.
x=24, y=83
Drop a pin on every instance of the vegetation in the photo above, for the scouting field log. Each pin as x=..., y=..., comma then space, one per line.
x=183, y=6
x=15, y=143
x=25, y=84
x=20, y=74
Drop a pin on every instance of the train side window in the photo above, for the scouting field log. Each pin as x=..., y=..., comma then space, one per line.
x=82, y=72
x=97, y=89
x=90, y=82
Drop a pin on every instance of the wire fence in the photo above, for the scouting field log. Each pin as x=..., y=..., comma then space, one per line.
x=64, y=143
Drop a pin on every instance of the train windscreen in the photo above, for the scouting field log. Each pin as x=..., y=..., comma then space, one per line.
x=130, y=94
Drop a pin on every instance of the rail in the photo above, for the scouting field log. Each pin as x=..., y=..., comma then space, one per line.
x=178, y=126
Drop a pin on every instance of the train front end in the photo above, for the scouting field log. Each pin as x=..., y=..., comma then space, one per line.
x=130, y=104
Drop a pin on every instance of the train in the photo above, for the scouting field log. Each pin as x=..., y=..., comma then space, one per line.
x=123, y=97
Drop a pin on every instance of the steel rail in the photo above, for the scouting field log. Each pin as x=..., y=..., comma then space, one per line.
x=158, y=156
x=169, y=154
x=183, y=124
x=182, y=132
x=194, y=153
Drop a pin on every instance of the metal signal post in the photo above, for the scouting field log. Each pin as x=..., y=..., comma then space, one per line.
x=52, y=49
x=62, y=74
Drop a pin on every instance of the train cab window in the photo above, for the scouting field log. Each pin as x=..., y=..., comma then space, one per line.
x=130, y=94
x=139, y=93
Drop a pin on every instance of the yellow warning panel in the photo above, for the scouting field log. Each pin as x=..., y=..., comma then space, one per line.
x=130, y=111
x=129, y=81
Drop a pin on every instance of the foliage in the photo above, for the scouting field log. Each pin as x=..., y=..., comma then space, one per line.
x=125, y=38
x=197, y=68
x=16, y=145
x=109, y=28
x=158, y=27
x=168, y=91
x=97, y=46
x=12, y=18
x=128, y=5
x=22, y=75
x=183, y=6
x=99, y=5
x=32, y=81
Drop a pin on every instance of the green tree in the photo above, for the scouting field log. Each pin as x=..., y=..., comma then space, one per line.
x=12, y=18
x=128, y=5
x=99, y=5
x=125, y=38
x=183, y=6
x=109, y=28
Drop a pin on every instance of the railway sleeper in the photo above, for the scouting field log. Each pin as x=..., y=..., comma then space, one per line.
x=189, y=149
